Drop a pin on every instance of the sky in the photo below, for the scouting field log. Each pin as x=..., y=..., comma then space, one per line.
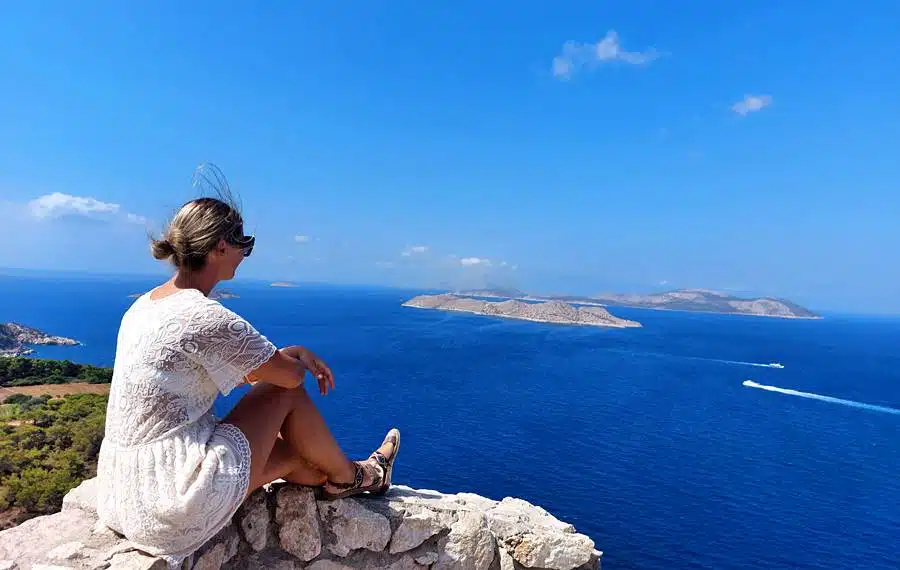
x=575, y=147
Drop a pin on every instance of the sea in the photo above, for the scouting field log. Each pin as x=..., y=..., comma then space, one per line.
x=647, y=440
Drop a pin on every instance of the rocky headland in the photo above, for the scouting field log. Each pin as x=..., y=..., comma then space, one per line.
x=284, y=527
x=15, y=339
x=556, y=312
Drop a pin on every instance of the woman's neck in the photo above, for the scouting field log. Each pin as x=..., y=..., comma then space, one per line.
x=200, y=280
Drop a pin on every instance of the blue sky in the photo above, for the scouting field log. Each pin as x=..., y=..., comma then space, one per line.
x=570, y=146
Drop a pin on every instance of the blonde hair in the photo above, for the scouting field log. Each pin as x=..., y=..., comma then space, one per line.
x=200, y=224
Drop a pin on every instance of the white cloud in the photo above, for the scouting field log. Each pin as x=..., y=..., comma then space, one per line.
x=58, y=204
x=385, y=264
x=751, y=104
x=664, y=282
x=414, y=249
x=136, y=219
x=576, y=55
x=473, y=261
x=301, y=238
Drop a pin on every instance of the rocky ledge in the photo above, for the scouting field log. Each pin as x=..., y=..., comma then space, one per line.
x=283, y=527
x=15, y=338
x=555, y=312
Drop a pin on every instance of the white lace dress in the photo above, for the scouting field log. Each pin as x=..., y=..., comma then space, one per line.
x=171, y=476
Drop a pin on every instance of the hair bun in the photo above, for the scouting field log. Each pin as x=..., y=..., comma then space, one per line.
x=162, y=249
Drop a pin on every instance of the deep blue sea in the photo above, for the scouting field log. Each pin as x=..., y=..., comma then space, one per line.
x=644, y=439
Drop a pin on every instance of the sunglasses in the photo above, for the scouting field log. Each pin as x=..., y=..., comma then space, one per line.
x=246, y=243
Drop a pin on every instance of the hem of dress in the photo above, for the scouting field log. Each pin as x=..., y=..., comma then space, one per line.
x=175, y=560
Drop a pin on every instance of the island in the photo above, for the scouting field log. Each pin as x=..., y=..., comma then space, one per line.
x=691, y=300
x=15, y=339
x=556, y=312
x=706, y=301
x=282, y=284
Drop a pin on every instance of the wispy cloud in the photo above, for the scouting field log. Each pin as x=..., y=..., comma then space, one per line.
x=473, y=261
x=302, y=239
x=751, y=104
x=414, y=250
x=137, y=219
x=577, y=56
x=385, y=264
x=58, y=205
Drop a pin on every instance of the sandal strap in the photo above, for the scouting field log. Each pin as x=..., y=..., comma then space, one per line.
x=355, y=484
x=380, y=459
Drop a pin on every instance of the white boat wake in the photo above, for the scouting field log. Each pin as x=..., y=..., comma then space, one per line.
x=758, y=364
x=851, y=403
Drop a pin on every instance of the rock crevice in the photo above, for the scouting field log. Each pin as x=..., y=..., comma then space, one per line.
x=284, y=527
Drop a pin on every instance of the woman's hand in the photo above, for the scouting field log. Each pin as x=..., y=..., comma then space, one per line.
x=315, y=365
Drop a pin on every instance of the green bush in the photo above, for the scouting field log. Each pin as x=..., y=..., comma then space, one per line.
x=26, y=371
x=49, y=449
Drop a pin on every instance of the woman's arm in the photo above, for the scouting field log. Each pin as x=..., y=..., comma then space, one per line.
x=287, y=368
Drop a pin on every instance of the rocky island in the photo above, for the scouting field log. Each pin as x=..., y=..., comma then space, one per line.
x=691, y=300
x=555, y=312
x=15, y=339
x=706, y=301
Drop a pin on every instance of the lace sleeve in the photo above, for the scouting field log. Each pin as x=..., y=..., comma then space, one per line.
x=226, y=345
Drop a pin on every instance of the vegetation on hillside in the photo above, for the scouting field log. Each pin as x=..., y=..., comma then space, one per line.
x=47, y=447
x=17, y=371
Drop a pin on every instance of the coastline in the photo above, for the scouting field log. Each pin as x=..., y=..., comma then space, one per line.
x=514, y=318
x=529, y=298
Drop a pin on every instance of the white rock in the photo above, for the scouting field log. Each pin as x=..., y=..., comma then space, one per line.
x=253, y=518
x=299, y=532
x=136, y=561
x=506, y=561
x=50, y=567
x=354, y=526
x=554, y=551
x=515, y=516
x=476, y=501
x=414, y=530
x=82, y=497
x=67, y=551
x=469, y=546
x=30, y=541
x=8, y=565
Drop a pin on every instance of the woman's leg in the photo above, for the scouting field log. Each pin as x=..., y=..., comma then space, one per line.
x=307, y=453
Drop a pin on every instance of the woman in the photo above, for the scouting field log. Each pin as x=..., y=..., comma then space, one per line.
x=171, y=474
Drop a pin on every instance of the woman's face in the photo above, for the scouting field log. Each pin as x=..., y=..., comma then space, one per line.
x=224, y=260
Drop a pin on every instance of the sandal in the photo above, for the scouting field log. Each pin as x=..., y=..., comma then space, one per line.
x=382, y=466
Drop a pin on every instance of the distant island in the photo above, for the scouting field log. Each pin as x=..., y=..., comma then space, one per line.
x=282, y=284
x=692, y=300
x=555, y=312
x=703, y=300
x=15, y=339
x=214, y=294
